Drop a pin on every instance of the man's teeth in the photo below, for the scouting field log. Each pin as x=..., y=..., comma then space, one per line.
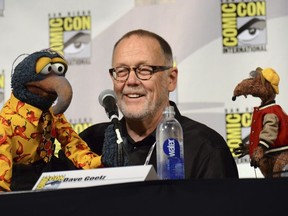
x=133, y=95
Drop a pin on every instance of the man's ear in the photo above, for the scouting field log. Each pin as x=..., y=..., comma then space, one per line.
x=172, y=79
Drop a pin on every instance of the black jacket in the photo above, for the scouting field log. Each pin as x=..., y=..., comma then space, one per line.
x=206, y=153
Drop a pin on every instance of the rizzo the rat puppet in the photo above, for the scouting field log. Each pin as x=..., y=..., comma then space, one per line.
x=30, y=124
x=268, y=141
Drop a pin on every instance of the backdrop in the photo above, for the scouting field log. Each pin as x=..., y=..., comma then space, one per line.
x=215, y=44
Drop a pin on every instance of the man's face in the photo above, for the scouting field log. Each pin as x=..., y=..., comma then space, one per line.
x=139, y=98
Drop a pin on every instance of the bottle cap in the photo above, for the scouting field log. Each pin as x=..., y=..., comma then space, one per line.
x=169, y=109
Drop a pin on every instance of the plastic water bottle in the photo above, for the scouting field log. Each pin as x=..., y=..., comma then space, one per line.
x=169, y=147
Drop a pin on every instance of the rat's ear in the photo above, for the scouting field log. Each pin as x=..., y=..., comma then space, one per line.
x=258, y=73
x=262, y=78
x=259, y=69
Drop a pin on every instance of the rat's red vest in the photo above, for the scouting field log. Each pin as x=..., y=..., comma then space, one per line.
x=257, y=124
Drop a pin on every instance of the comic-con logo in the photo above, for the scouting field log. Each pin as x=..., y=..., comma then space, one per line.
x=237, y=128
x=243, y=26
x=50, y=182
x=71, y=36
x=2, y=88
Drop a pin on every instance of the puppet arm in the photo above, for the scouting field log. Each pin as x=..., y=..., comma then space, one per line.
x=269, y=133
x=73, y=146
x=5, y=160
x=267, y=136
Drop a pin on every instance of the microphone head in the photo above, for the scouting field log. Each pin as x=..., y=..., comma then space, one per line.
x=108, y=100
x=106, y=93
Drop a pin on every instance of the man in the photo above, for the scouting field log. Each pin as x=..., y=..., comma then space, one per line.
x=143, y=76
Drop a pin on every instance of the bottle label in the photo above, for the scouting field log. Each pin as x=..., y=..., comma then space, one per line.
x=175, y=165
x=171, y=148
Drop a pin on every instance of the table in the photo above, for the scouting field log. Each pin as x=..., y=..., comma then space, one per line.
x=255, y=197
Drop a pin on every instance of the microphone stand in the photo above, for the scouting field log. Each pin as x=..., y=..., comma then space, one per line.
x=116, y=122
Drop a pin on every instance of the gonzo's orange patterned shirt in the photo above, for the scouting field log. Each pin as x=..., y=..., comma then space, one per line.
x=21, y=139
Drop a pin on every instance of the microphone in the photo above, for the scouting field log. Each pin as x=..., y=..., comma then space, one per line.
x=108, y=99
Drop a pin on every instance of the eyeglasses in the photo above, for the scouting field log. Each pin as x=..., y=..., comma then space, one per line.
x=143, y=72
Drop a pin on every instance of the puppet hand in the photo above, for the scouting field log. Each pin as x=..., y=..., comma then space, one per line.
x=112, y=150
x=241, y=150
x=258, y=154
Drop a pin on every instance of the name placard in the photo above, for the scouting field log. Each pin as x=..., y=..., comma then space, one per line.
x=95, y=177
